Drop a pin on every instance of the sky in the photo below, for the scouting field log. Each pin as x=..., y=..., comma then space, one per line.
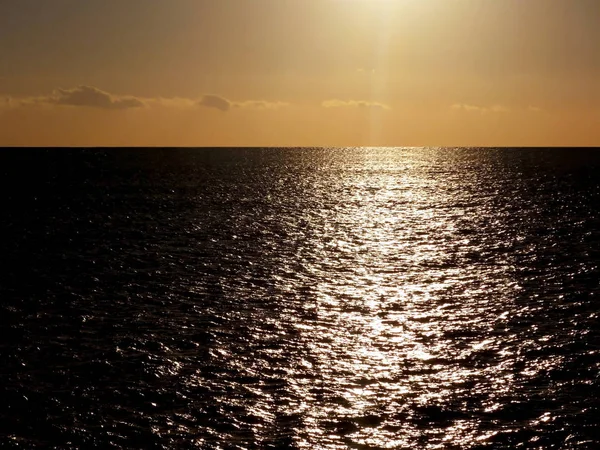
x=299, y=73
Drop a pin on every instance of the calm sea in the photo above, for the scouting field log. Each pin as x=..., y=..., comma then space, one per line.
x=300, y=298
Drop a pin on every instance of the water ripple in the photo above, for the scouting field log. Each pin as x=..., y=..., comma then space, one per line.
x=340, y=298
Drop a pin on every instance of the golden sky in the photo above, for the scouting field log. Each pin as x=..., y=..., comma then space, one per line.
x=299, y=72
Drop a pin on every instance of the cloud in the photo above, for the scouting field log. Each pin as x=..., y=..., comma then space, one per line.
x=174, y=102
x=223, y=104
x=215, y=101
x=353, y=104
x=260, y=104
x=480, y=109
x=494, y=109
x=88, y=96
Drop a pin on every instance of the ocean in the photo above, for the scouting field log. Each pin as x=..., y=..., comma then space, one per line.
x=309, y=298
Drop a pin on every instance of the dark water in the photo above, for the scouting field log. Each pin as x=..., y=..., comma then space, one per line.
x=300, y=299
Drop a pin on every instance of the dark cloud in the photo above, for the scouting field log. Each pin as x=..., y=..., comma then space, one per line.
x=92, y=97
x=215, y=101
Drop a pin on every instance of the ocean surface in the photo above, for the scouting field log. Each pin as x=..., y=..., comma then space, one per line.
x=300, y=298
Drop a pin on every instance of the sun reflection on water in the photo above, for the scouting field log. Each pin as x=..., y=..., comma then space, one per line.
x=393, y=293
